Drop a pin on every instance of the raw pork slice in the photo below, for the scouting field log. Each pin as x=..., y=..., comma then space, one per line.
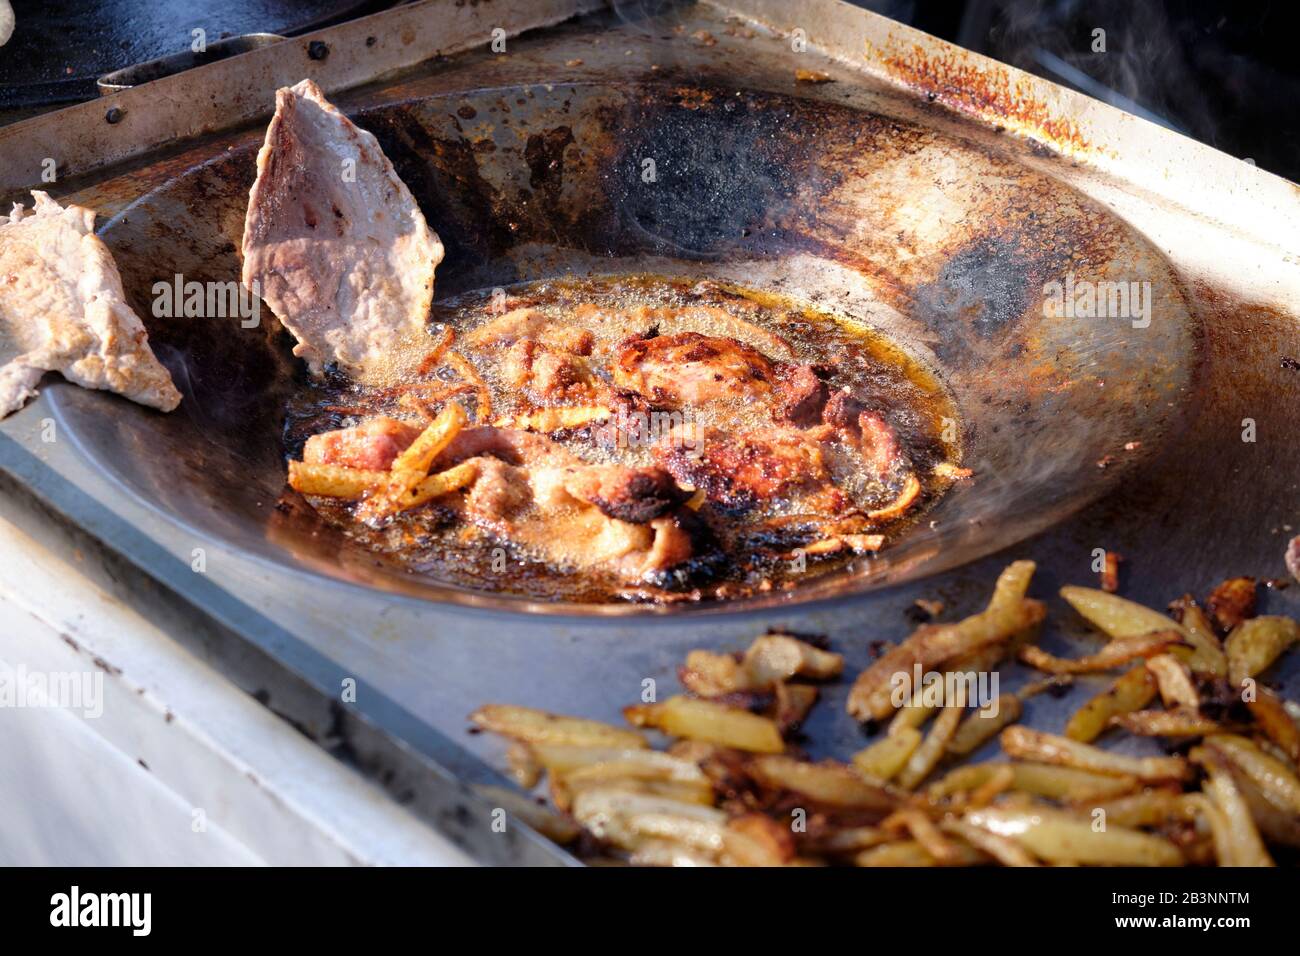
x=339, y=249
x=62, y=309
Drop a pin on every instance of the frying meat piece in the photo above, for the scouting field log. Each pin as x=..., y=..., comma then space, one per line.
x=63, y=308
x=687, y=368
x=636, y=495
x=801, y=393
x=539, y=495
x=528, y=323
x=544, y=359
x=337, y=244
x=371, y=446
x=548, y=375
x=1292, y=557
x=875, y=438
x=783, y=468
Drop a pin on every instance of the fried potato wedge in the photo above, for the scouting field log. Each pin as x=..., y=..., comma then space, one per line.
x=1043, y=780
x=1175, y=682
x=708, y=721
x=539, y=727
x=912, y=853
x=1239, y=841
x=1050, y=748
x=555, y=827
x=1278, y=725
x=1166, y=723
x=828, y=784
x=871, y=697
x=754, y=839
x=887, y=756
x=1060, y=837
x=1276, y=781
x=1207, y=656
x=709, y=674
x=779, y=657
x=1132, y=691
x=630, y=820
x=1151, y=808
x=1119, y=617
x=927, y=756
x=1003, y=849
x=980, y=727
x=1120, y=651
x=1255, y=644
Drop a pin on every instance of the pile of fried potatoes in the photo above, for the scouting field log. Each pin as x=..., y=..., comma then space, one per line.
x=730, y=790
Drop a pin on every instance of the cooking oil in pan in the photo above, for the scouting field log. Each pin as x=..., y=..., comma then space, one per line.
x=736, y=553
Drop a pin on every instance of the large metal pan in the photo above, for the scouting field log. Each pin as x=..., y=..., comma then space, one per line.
x=873, y=195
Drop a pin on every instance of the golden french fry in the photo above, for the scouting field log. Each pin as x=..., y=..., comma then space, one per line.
x=1278, y=725
x=1166, y=723
x=629, y=820
x=483, y=397
x=753, y=839
x=927, y=756
x=1175, y=682
x=412, y=465
x=888, y=755
x=1029, y=744
x=1207, y=656
x=778, y=657
x=831, y=784
x=709, y=674
x=871, y=697
x=1240, y=840
x=979, y=727
x=539, y=727
x=1255, y=644
x=924, y=831
x=1119, y=617
x=912, y=853
x=1060, y=837
x=1132, y=691
x=709, y=721
x=853, y=840
x=1003, y=849
x=906, y=498
x=553, y=826
x=453, y=479
x=1044, y=780
x=1276, y=781
x=333, y=481
x=554, y=419
x=525, y=769
x=1147, y=809
x=668, y=854
x=1120, y=650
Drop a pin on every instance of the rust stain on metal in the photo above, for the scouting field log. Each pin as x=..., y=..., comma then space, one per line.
x=959, y=82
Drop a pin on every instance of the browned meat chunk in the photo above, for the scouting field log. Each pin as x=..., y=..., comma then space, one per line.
x=801, y=394
x=371, y=446
x=875, y=438
x=673, y=371
x=767, y=469
x=548, y=375
x=528, y=323
x=539, y=495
